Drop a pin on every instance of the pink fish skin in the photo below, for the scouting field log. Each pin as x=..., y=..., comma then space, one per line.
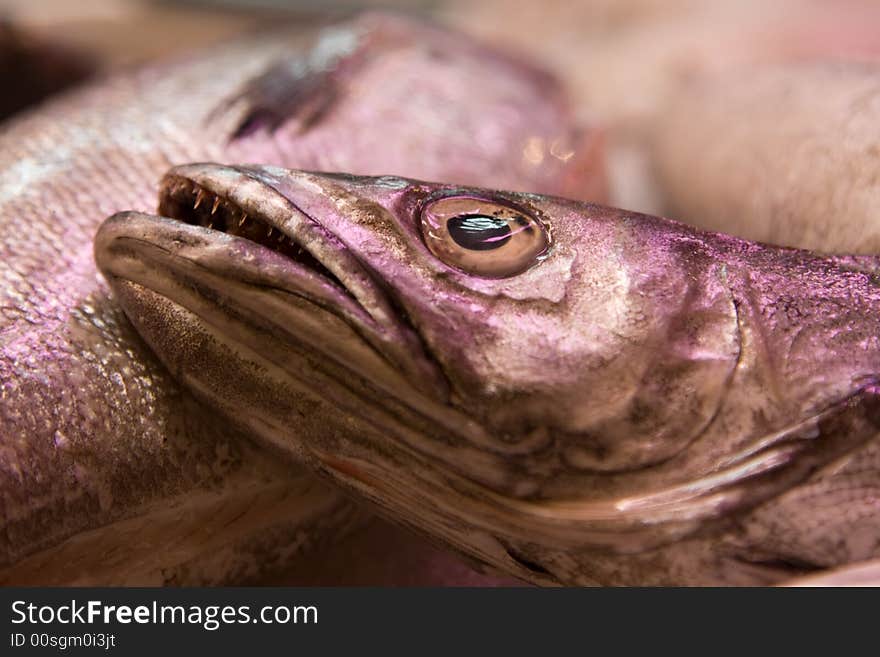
x=861, y=574
x=787, y=154
x=571, y=393
x=109, y=471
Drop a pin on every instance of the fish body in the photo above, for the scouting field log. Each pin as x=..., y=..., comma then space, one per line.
x=625, y=61
x=861, y=574
x=786, y=155
x=572, y=393
x=103, y=457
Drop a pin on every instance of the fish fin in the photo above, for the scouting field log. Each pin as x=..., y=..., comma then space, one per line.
x=303, y=87
x=280, y=94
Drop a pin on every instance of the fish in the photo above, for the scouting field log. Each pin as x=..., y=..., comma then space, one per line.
x=861, y=574
x=571, y=393
x=786, y=155
x=110, y=472
x=625, y=62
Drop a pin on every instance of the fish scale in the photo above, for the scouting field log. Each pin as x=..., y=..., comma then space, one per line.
x=94, y=433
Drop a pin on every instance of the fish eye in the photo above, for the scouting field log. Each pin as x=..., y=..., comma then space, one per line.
x=483, y=237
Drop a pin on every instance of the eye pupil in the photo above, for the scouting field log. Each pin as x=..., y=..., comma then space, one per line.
x=479, y=232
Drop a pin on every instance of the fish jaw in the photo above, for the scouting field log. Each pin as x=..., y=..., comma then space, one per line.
x=176, y=261
x=443, y=458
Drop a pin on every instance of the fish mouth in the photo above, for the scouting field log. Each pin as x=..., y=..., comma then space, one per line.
x=224, y=231
x=198, y=196
x=216, y=266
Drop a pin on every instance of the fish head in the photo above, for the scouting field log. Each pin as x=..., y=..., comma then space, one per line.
x=518, y=375
x=385, y=93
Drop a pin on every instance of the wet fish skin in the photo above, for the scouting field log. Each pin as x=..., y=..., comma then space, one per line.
x=645, y=404
x=97, y=442
x=860, y=574
x=786, y=155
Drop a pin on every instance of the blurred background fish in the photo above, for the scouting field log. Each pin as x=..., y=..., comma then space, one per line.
x=623, y=60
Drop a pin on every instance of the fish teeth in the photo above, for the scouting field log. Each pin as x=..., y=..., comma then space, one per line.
x=269, y=233
x=216, y=203
x=200, y=196
x=243, y=219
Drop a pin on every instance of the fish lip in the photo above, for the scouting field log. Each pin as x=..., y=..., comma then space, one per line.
x=265, y=204
x=355, y=296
